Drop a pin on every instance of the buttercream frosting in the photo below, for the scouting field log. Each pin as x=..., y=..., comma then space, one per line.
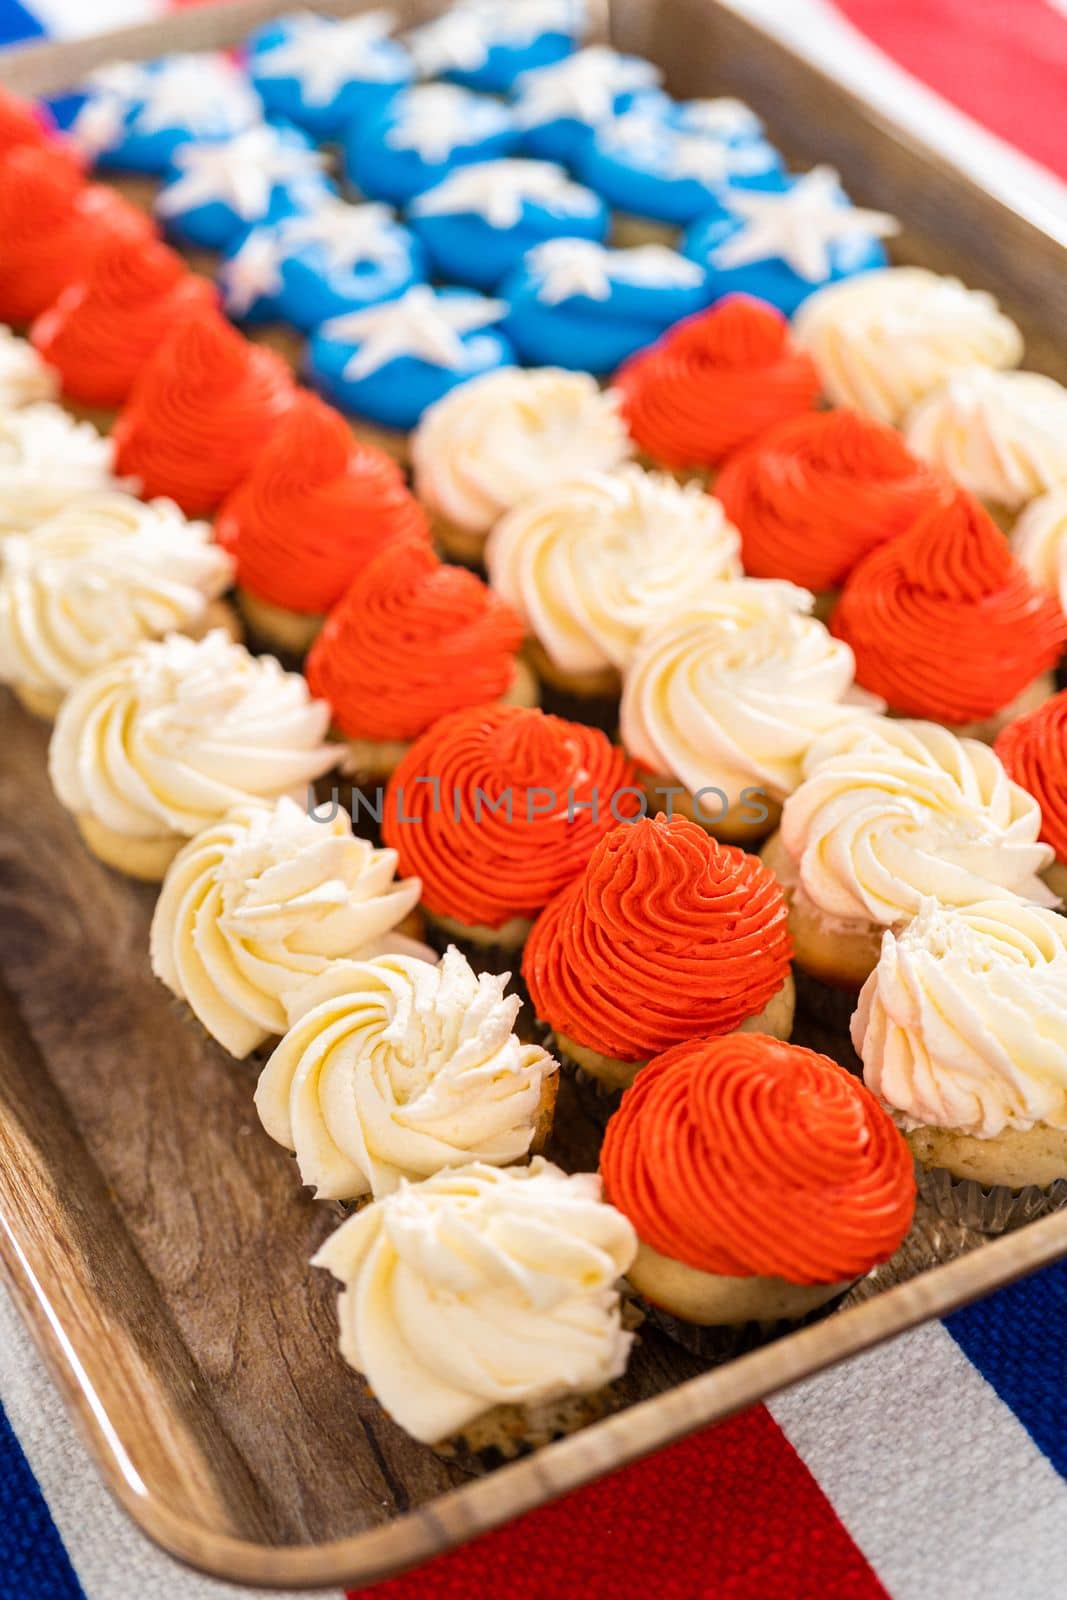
x=24, y=377
x=1002, y=435
x=1039, y=542
x=46, y=460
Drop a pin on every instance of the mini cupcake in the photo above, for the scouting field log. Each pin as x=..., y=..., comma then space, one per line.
x=388, y=363
x=884, y=340
x=659, y=177
x=216, y=190
x=161, y=743
x=715, y=384
x=783, y=247
x=416, y=140
x=93, y=581
x=497, y=809
x=945, y=624
x=815, y=494
x=592, y=563
x=497, y=1322
x=320, y=264
x=103, y=329
x=1034, y=752
x=1002, y=435
x=888, y=814
x=1039, y=544
x=666, y=935
x=24, y=378
x=24, y=122
x=482, y=219
x=323, y=73
x=486, y=44
x=486, y=446
x=314, y=510
x=412, y=640
x=262, y=904
x=394, y=1069
x=46, y=460
x=961, y=1029
x=576, y=304
x=200, y=413
x=724, y=698
x=762, y=1180
x=558, y=107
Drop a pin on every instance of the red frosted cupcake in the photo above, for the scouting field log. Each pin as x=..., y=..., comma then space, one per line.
x=945, y=624
x=761, y=1178
x=315, y=509
x=666, y=935
x=814, y=495
x=498, y=808
x=1034, y=752
x=51, y=224
x=23, y=122
x=715, y=382
x=201, y=412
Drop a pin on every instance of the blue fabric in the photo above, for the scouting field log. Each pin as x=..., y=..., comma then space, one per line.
x=34, y=1564
x=17, y=23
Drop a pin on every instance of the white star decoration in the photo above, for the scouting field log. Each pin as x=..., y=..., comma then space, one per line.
x=324, y=55
x=662, y=149
x=436, y=117
x=347, y=234
x=420, y=324
x=239, y=173
x=496, y=190
x=721, y=118
x=204, y=93
x=569, y=267
x=461, y=39
x=798, y=226
x=583, y=87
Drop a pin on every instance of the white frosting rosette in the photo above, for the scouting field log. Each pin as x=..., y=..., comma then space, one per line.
x=482, y=1286
x=263, y=902
x=46, y=460
x=883, y=340
x=1039, y=540
x=394, y=1069
x=1002, y=435
x=25, y=378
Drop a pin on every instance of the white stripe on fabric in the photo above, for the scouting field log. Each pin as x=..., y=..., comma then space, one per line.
x=937, y=1482
x=75, y=19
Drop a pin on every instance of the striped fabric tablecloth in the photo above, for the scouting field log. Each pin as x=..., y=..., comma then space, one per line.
x=935, y=1466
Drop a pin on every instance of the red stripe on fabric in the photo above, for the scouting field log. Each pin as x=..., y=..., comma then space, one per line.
x=1004, y=62
x=729, y=1514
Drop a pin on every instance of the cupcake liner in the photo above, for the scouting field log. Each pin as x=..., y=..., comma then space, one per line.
x=719, y=1343
x=507, y=1432
x=994, y=1209
x=597, y=1099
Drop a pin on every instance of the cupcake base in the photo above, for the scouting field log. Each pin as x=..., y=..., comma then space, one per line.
x=629, y=231
x=708, y=1299
x=839, y=953
x=465, y=545
x=291, y=632
x=43, y=703
x=1056, y=878
x=281, y=337
x=606, y=684
x=146, y=859
x=1014, y=1159
x=506, y=939
x=506, y=1432
x=102, y=418
x=391, y=441
x=734, y=827
x=988, y=1209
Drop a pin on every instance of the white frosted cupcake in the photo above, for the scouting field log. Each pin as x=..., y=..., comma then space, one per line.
x=260, y=904
x=46, y=460
x=482, y=1305
x=883, y=340
x=962, y=1029
x=499, y=438
x=395, y=1069
x=96, y=579
x=725, y=699
x=161, y=743
x=590, y=564
x=889, y=814
x=1039, y=541
x=24, y=378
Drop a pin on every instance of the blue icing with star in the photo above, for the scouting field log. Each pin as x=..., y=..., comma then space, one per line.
x=321, y=264
x=480, y=222
x=389, y=362
x=578, y=305
x=486, y=44
x=135, y=114
x=558, y=107
x=216, y=192
x=783, y=247
x=321, y=73
x=722, y=118
x=421, y=135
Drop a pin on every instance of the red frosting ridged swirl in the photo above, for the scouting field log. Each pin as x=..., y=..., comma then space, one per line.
x=943, y=622
x=816, y=493
x=200, y=413
x=1034, y=752
x=51, y=224
x=666, y=934
x=101, y=331
x=714, y=382
x=746, y=1157
x=485, y=867
x=412, y=640
x=22, y=122
x=314, y=510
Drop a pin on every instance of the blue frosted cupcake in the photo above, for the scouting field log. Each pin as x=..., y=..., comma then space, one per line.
x=479, y=223
x=782, y=247
x=486, y=44
x=136, y=113
x=575, y=304
x=320, y=264
x=419, y=137
x=719, y=118
x=558, y=107
x=216, y=192
x=384, y=365
x=322, y=73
